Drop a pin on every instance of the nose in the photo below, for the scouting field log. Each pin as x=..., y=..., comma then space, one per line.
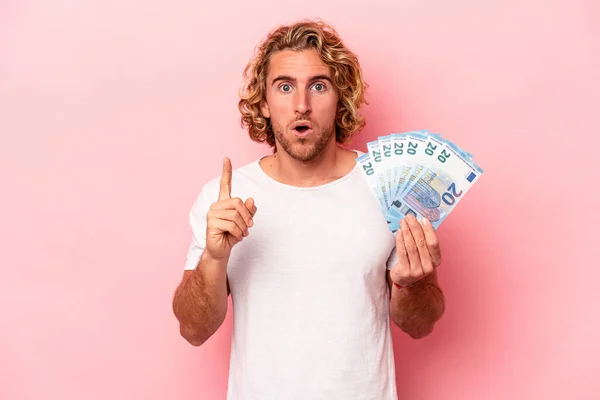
x=302, y=102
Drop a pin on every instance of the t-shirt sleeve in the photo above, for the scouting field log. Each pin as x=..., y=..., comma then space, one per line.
x=392, y=259
x=197, y=220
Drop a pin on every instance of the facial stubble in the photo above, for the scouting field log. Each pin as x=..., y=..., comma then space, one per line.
x=302, y=151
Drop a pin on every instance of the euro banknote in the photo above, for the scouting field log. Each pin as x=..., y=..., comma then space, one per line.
x=419, y=173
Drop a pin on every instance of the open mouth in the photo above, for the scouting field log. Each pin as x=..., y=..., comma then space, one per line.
x=302, y=128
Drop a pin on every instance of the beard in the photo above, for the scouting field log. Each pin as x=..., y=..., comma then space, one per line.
x=304, y=150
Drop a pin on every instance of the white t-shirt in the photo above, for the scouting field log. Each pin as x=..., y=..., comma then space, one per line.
x=309, y=290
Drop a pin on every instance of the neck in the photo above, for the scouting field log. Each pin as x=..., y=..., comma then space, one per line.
x=324, y=168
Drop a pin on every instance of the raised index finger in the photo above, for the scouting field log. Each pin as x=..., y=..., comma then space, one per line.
x=225, y=191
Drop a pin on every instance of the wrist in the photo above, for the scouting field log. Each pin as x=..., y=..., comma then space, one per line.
x=213, y=271
x=415, y=285
x=208, y=257
x=213, y=266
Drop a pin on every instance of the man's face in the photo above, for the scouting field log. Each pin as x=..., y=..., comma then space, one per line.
x=301, y=102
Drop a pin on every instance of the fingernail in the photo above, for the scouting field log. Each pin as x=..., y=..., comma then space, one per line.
x=251, y=222
x=425, y=221
x=403, y=222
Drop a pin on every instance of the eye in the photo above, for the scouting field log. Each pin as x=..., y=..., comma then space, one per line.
x=285, y=87
x=319, y=87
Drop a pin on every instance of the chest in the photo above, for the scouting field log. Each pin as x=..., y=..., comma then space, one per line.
x=306, y=237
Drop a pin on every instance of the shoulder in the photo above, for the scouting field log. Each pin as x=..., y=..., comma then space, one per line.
x=349, y=155
x=352, y=157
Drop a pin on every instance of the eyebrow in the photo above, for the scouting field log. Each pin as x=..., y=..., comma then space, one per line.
x=312, y=78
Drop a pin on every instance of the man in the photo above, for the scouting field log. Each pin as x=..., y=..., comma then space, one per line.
x=315, y=273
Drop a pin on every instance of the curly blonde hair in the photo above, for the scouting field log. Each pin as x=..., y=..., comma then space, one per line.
x=347, y=76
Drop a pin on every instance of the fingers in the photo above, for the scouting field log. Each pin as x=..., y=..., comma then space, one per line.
x=421, y=244
x=234, y=210
x=411, y=248
x=432, y=242
x=225, y=189
x=224, y=225
x=418, y=250
x=232, y=216
x=403, y=272
x=237, y=205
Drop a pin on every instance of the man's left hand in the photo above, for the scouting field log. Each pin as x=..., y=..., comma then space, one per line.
x=418, y=251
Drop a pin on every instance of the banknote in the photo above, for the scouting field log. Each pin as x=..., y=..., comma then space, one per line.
x=368, y=168
x=418, y=172
x=378, y=177
x=385, y=149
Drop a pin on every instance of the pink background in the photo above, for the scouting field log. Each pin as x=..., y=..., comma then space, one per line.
x=113, y=113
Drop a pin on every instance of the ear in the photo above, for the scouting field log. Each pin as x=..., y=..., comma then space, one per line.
x=264, y=109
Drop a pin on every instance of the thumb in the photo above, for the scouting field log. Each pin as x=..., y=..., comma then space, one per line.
x=249, y=203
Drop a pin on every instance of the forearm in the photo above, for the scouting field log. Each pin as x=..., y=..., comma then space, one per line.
x=416, y=309
x=200, y=301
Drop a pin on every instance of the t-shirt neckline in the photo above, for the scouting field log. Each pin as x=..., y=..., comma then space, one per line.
x=305, y=188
